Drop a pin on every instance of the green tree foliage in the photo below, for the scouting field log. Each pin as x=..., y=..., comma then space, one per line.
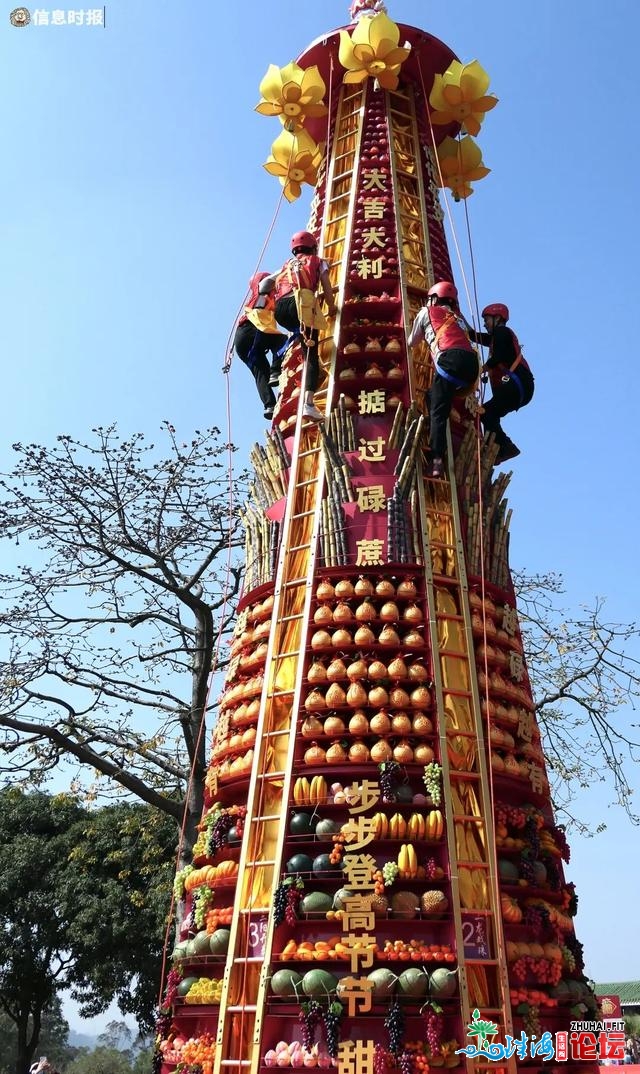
x=82, y=908
x=111, y=626
x=53, y=1042
x=123, y=861
x=100, y=1061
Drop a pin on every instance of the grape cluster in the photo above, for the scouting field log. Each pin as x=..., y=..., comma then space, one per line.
x=174, y=978
x=561, y=842
x=388, y=779
x=390, y=872
x=572, y=944
x=381, y=1060
x=280, y=904
x=571, y=900
x=201, y=902
x=532, y=837
x=554, y=876
x=405, y=1062
x=431, y=869
x=434, y=1027
x=309, y=1018
x=217, y=833
x=331, y=1018
x=157, y=1062
x=537, y=918
x=432, y=780
x=527, y=871
x=394, y=1025
x=294, y=895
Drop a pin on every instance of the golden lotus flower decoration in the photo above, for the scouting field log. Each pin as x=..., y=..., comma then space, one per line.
x=460, y=164
x=295, y=159
x=293, y=94
x=372, y=50
x=460, y=96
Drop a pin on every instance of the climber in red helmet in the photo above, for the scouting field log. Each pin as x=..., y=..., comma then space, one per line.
x=442, y=326
x=511, y=379
x=251, y=342
x=294, y=289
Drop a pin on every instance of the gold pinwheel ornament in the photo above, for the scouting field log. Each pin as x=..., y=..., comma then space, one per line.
x=295, y=159
x=373, y=51
x=292, y=93
x=460, y=96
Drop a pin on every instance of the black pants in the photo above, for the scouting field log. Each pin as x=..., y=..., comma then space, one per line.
x=252, y=346
x=463, y=365
x=286, y=314
x=506, y=397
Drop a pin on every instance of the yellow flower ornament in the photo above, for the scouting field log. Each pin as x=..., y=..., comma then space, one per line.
x=460, y=164
x=295, y=159
x=293, y=94
x=372, y=50
x=460, y=96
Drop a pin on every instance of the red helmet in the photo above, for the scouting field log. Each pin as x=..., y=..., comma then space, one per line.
x=302, y=238
x=496, y=309
x=444, y=289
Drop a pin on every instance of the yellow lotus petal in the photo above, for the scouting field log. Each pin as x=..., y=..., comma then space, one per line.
x=485, y=104
x=291, y=72
x=452, y=94
x=436, y=97
x=388, y=79
x=271, y=85
x=381, y=28
x=268, y=108
x=292, y=191
x=453, y=72
x=345, y=52
x=396, y=56
x=474, y=73
x=356, y=76
x=471, y=124
x=274, y=167
x=441, y=118
x=313, y=85
x=477, y=173
x=315, y=110
x=364, y=53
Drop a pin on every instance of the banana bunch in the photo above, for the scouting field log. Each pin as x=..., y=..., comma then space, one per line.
x=380, y=825
x=312, y=792
x=548, y=844
x=407, y=862
x=397, y=826
x=434, y=825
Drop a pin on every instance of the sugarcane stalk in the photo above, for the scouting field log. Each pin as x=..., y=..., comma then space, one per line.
x=396, y=428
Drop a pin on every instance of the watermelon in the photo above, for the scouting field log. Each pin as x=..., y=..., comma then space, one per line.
x=316, y=902
x=322, y=864
x=286, y=983
x=383, y=983
x=325, y=828
x=340, y=898
x=179, y=951
x=508, y=871
x=413, y=983
x=201, y=943
x=300, y=863
x=404, y=794
x=191, y=949
x=443, y=983
x=233, y=838
x=219, y=941
x=185, y=985
x=318, y=983
x=300, y=824
x=539, y=873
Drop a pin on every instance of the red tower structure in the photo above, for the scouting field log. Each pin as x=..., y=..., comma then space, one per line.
x=378, y=865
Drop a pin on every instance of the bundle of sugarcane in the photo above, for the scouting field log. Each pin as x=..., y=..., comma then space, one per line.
x=249, y=520
x=500, y=561
x=338, y=470
x=265, y=549
x=495, y=493
x=395, y=436
x=264, y=479
x=473, y=538
x=276, y=468
x=258, y=494
x=274, y=543
x=340, y=529
x=397, y=529
x=322, y=537
x=278, y=439
x=408, y=458
x=415, y=526
x=342, y=428
x=329, y=532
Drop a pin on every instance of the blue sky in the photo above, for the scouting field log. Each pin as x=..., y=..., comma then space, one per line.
x=134, y=206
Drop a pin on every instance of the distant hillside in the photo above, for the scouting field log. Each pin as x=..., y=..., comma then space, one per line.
x=82, y=1040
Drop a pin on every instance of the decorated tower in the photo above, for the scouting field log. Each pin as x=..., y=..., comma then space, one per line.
x=378, y=882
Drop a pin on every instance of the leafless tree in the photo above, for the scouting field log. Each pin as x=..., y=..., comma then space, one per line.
x=110, y=630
